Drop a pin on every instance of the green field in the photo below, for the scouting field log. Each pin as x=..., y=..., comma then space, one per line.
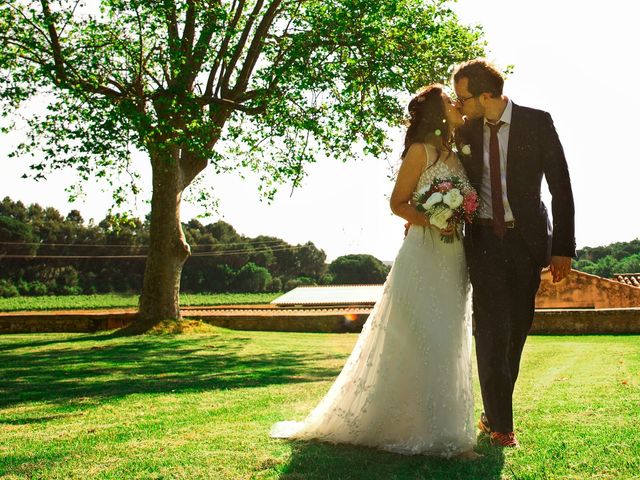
x=119, y=301
x=200, y=405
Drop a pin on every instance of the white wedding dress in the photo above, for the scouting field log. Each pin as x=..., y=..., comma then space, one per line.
x=406, y=387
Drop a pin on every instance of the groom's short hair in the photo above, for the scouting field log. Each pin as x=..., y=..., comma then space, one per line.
x=483, y=77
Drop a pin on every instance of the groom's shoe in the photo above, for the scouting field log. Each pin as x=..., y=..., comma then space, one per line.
x=483, y=424
x=504, y=439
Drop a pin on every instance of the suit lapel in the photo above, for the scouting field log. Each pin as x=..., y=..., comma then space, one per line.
x=514, y=148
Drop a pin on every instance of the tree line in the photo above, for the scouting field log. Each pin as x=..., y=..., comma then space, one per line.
x=605, y=261
x=43, y=252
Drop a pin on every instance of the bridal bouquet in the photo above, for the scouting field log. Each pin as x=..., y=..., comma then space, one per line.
x=447, y=202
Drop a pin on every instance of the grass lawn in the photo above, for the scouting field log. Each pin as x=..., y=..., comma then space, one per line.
x=112, y=300
x=200, y=405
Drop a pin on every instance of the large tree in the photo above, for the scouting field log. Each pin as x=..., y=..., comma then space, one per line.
x=215, y=84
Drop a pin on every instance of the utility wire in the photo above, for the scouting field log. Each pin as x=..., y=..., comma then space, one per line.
x=200, y=254
x=253, y=242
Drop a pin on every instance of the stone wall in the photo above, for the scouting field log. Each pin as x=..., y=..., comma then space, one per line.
x=38, y=322
x=550, y=321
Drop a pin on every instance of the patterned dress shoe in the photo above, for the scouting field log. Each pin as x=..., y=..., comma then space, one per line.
x=504, y=439
x=483, y=424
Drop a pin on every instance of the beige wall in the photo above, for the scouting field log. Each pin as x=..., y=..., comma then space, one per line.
x=581, y=290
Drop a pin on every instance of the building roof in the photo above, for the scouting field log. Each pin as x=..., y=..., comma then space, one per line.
x=331, y=295
x=632, y=279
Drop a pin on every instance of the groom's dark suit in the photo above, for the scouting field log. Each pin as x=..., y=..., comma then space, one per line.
x=505, y=273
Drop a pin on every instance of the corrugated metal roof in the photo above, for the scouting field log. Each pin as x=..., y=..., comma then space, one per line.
x=632, y=279
x=331, y=295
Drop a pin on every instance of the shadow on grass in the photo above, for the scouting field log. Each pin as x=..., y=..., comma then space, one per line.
x=55, y=339
x=67, y=371
x=316, y=461
x=29, y=466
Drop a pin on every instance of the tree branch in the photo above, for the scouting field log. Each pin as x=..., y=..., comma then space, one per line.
x=256, y=47
x=203, y=42
x=73, y=11
x=60, y=70
x=54, y=40
x=189, y=29
x=224, y=85
x=117, y=84
x=233, y=105
x=138, y=80
x=37, y=59
x=34, y=25
x=222, y=51
x=173, y=36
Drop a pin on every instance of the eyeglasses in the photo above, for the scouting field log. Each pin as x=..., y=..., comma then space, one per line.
x=462, y=100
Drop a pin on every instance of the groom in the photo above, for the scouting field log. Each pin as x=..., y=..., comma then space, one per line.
x=512, y=148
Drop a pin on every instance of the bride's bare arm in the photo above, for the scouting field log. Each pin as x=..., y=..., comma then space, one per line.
x=408, y=176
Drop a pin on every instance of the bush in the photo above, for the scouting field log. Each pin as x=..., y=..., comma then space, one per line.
x=24, y=287
x=38, y=289
x=275, y=285
x=326, y=279
x=358, y=269
x=218, y=279
x=251, y=278
x=68, y=290
x=297, y=282
x=8, y=290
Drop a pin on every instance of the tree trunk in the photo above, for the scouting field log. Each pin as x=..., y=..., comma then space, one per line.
x=168, y=249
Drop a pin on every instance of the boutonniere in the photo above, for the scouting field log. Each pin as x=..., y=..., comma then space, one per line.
x=463, y=149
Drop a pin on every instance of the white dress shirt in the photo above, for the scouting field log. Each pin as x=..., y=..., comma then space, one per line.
x=485, y=209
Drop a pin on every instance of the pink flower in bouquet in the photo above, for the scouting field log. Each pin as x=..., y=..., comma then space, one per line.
x=445, y=186
x=470, y=203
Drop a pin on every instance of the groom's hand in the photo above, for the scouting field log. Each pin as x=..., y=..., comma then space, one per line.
x=560, y=267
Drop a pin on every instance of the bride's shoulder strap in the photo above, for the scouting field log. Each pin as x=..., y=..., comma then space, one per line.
x=417, y=155
x=432, y=154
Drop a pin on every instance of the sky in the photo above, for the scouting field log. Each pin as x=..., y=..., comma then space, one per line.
x=574, y=59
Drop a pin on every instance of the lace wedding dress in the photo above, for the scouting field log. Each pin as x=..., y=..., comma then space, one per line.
x=406, y=387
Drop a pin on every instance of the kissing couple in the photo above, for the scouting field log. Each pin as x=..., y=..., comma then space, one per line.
x=407, y=385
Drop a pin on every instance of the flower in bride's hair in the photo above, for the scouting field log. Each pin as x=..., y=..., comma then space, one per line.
x=453, y=198
x=466, y=150
x=440, y=217
x=435, y=198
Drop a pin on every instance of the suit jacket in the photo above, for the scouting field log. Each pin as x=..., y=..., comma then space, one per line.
x=534, y=150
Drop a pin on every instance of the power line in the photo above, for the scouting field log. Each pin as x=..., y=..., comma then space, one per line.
x=71, y=245
x=201, y=254
x=253, y=242
x=264, y=250
x=70, y=257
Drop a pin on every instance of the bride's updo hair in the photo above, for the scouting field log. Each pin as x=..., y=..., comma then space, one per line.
x=427, y=119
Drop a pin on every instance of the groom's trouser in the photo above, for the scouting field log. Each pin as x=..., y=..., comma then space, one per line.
x=505, y=281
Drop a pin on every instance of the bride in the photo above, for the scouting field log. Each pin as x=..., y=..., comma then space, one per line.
x=406, y=387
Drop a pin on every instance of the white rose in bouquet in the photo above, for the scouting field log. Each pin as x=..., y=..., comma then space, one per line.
x=440, y=217
x=423, y=190
x=453, y=198
x=435, y=198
